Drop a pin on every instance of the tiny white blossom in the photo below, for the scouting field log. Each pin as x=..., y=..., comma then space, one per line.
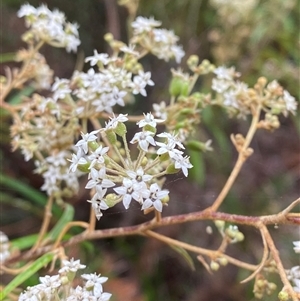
x=51, y=282
x=97, y=201
x=144, y=139
x=97, y=155
x=86, y=138
x=160, y=110
x=142, y=24
x=290, y=102
x=98, y=178
x=172, y=139
x=182, y=163
x=98, y=57
x=113, y=122
x=129, y=190
x=71, y=266
x=149, y=120
x=76, y=160
x=296, y=246
x=154, y=198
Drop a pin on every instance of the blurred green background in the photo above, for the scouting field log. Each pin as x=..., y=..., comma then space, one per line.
x=260, y=41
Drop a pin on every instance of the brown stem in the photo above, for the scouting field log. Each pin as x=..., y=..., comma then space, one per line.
x=45, y=225
x=280, y=268
x=242, y=157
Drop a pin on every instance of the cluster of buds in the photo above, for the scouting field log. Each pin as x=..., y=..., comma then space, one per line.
x=262, y=286
x=59, y=287
x=231, y=232
x=238, y=99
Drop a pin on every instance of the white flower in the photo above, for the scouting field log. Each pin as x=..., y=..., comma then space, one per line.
x=71, y=266
x=86, y=138
x=4, y=247
x=172, y=139
x=130, y=50
x=113, y=122
x=142, y=24
x=98, y=178
x=129, y=190
x=26, y=10
x=230, y=99
x=31, y=294
x=139, y=176
x=144, y=139
x=296, y=246
x=149, y=120
x=97, y=155
x=52, y=282
x=290, y=102
x=297, y=285
x=160, y=110
x=155, y=197
x=80, y=294
x=76, y=160
x=226, y=73
x=97, y=201
x=117, y=96
x=182, y=163
x=94, y=281
x=167, y=148
x=178, y=53
x=98, y=57
x=220, y=85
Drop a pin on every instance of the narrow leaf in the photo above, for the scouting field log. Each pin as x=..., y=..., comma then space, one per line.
x=185, y=255
x=66, y=217
x=24, y=242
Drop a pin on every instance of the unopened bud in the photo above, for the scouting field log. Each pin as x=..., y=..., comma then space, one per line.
x=121, y=129
x=214, y=266
x=283, y=296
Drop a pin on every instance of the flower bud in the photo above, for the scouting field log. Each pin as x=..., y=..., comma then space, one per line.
x=283, y=296
x=111, y=136
x=214, y=266
x=220, y=224
x=149, y=128
x=121, y=129
x=179, y=86
x=164, y=157
x=193, y=61
x=93, y=145
x=223, y=261
x=171, y=169
x=111, y=199
x=84, y=167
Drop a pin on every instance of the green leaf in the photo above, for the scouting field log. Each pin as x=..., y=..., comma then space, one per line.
x=23, y=276
x=17, y=98
x=7, y=57
x=66, y=217
x=185, y=255
x=24, y=242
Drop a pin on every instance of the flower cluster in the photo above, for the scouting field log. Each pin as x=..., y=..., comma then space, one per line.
x=49, y=27
x=294, y=273
x=160, y=42
x=234, y=11
x=59, y=287
x=239, y=99
x=138, y=179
